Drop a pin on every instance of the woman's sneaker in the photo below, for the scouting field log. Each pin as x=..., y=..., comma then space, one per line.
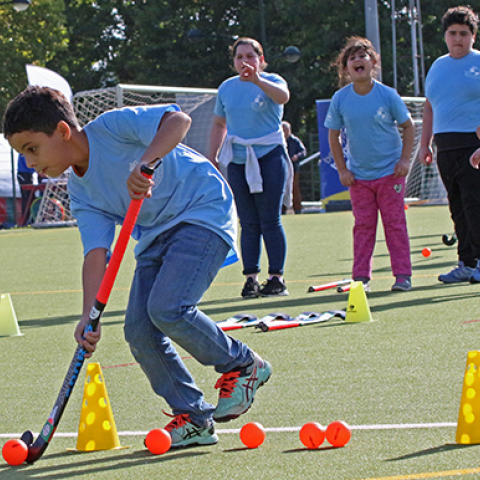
x=250, y=289
x=238, y=388
x=185, y=433
x=273, y=288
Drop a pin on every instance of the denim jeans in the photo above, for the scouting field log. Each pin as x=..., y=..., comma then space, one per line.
x=170, y=278
x=260, y=213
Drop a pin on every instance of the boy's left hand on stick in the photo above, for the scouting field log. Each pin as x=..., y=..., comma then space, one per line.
x=88, y=340
x=138, y=185
x=402, y=167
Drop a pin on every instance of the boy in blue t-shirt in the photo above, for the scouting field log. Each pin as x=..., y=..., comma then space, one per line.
x=185, y=229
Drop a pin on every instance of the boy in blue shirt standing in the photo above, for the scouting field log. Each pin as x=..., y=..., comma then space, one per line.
x=185, y=229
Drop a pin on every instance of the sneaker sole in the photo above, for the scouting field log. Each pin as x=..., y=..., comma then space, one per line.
x=199, y=442
x=401, y=289
x=234, y=416
x=280, y=294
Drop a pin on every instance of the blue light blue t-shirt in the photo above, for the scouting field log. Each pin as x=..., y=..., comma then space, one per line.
x=188, y=188
x=371, y=126
x=249, y=112
x=453, y=89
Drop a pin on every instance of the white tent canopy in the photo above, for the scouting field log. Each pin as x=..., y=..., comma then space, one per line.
x=6, y=189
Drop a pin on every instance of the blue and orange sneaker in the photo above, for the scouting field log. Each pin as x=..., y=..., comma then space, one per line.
x=185, y=433
x=238, y=388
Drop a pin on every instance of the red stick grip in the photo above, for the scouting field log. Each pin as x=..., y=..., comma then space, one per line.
x=121, y=246
x=272, y=326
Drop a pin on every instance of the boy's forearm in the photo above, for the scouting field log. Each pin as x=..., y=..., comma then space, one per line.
x=427, y=125
x=171, y=131
x=94, y=265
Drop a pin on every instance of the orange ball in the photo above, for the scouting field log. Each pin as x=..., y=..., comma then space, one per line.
x=338, y=434
x=312, y=435
x=252, y=434
x=406, y=207
x=15, y=452
x=426, y=252
x=158, y=441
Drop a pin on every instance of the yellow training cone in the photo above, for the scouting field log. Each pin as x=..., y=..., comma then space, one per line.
x=357, y=309
x=468, y=426
x=97, y=430
x=8, y=319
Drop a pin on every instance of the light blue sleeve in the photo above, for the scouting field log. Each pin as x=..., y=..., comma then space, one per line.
x=334, y=120
x=399, y=110
x=97, y=229
x=219, y=109
x=140, y=124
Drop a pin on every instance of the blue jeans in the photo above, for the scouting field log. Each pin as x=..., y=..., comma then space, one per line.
x=170, y=278
x=260, y=213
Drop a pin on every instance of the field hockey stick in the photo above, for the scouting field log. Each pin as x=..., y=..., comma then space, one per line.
x=36, y=449
x=253, y=323
x=326, y=286
x=241, y=317
x=306, y=318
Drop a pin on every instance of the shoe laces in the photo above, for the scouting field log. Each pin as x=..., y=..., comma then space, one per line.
x=178, y=421
x=227, y=383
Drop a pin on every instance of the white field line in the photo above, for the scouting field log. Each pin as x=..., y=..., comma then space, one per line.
x=397, y=426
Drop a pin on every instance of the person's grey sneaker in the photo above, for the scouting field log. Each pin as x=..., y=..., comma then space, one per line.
x=461, y=273
x=238, y=389
x=185, y=433
x=402, y=283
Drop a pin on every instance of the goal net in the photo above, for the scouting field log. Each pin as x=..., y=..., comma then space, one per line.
x=198, y=103
x=424, y=184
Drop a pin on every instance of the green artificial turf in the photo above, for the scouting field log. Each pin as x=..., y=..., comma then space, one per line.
x=403, y=369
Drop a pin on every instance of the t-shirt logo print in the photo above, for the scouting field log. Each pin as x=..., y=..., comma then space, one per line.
x=473, y=72
x=381, y=115
x=397, y=188
x=259, y=103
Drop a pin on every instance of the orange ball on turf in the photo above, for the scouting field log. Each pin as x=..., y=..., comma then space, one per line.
x=426, y=252
x=158, y=441
x=15, y=452
x=338, y=434
x=312, y=435
x=252, y=434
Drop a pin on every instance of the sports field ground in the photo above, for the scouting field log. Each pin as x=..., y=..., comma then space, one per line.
x=397, y=380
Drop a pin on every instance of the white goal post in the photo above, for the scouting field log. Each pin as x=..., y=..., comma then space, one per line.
x=197, y=102
x=424, y=185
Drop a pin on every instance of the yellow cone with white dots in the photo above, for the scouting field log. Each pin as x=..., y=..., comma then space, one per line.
x=468, y=426
x=97, y=430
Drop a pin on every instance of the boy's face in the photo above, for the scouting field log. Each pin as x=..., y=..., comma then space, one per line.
x=47, y=154
x=459, y=40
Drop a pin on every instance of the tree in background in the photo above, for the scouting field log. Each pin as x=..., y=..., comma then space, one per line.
x=98, y=43
x=34, y=36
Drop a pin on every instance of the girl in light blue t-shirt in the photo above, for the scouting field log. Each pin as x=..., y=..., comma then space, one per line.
x=370, y=113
